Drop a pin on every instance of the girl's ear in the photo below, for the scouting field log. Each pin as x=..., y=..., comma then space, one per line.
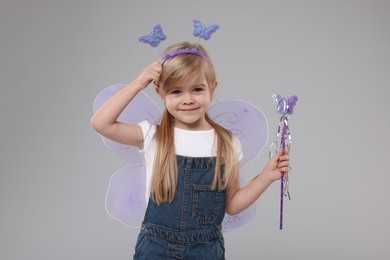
x=213, y=87
x=158, y=90
x=215, y=84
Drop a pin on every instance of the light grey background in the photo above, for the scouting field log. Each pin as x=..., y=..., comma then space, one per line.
x=56, y=56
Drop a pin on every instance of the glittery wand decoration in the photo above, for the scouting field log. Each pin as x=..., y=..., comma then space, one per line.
x=284, y=106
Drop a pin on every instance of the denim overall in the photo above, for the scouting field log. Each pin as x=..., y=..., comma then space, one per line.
x=189, y=227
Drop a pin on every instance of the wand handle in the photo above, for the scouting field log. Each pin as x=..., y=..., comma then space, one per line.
x=283, y=147
x=281, y=201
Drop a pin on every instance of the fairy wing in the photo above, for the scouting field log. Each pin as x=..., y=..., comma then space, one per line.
x=125, y=198
x=230, y=222
x=250, y=125
x=146, y=110
x=246, y=121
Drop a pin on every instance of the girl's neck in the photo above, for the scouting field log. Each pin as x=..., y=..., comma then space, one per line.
x=196, y=126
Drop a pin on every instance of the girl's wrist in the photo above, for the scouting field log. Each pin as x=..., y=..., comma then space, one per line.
x=137, y=85
x=266, y=176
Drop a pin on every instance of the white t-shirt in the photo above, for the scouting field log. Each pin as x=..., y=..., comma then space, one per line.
x=187, y=143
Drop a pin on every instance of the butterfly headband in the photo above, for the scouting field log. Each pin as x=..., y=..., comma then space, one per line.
x=184, y=51
x=200, y=30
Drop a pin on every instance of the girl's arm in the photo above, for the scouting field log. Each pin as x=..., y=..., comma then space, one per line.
x=104, y=121
x=241, y=198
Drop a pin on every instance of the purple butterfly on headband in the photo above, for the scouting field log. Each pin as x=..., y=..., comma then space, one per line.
x=284, y=105
x=203, y=31
x=155, y=37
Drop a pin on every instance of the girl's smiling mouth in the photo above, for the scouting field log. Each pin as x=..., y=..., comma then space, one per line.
x=188, y=109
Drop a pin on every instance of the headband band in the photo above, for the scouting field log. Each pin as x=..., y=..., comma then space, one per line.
x=183, y=51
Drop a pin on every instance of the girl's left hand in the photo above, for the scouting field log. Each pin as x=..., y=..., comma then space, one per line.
x=279, y=163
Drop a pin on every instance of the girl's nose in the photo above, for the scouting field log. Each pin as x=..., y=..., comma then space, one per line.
x=188, y=99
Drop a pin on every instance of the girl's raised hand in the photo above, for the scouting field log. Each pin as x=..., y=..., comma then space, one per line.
x=150, y=73
x=277, y=164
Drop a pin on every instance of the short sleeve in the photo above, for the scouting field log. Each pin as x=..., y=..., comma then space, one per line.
x=148, y=131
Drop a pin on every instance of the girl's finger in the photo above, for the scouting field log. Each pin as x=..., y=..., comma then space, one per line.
x=284, y=157
x=283, y=164
x=279, y=153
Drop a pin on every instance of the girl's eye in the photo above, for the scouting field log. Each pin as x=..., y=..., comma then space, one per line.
x=198, y=89
x=176, y=91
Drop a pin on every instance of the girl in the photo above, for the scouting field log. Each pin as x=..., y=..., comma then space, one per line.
x=192, y=162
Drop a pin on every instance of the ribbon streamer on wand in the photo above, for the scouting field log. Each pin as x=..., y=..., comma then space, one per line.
x=285, y=107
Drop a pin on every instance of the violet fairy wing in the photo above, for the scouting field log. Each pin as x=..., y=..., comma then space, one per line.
x=126, y=198
x=145, y=109
x=246, y=121
x=230, y=222
x=126, y=194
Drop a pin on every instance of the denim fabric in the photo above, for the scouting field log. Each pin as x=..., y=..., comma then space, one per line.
x=189, y=227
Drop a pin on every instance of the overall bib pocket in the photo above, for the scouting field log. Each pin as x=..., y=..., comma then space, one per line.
x=206, y=204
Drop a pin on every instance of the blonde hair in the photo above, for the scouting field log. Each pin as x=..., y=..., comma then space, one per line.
x=187, y=67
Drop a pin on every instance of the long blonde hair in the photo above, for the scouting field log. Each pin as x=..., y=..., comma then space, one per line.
x=187, y=67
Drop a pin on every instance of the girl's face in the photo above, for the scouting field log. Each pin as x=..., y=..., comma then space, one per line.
x=188, y=104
